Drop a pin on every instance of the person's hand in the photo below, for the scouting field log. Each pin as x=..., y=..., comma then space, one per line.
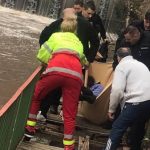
x=86, y=66
x=106, y=41
x=111, y=115
x=44, y=65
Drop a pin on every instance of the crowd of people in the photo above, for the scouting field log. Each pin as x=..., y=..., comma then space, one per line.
x=70, y=44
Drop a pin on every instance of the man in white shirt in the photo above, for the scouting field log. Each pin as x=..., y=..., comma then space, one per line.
x=130, y=89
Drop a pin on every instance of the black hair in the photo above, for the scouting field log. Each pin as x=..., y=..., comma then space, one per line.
x=130, y=29
x=90, y=4
x=123, y=52
x=78, y=2
x=147, y=15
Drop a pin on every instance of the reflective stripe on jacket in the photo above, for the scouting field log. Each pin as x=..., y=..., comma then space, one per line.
x=65, y=64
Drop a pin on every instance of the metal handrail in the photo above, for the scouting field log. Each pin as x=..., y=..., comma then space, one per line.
x=14, y=113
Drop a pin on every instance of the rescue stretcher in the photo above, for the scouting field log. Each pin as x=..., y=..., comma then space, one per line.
x=97, y=112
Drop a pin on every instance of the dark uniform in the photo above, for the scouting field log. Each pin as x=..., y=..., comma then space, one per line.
x=98, y=25
x=139, y=24
x=96, y=21
x=140, y=50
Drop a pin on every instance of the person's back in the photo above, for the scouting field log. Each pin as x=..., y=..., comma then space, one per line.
x=135, y=71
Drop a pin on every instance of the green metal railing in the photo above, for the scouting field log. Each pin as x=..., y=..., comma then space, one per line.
x=14, y=113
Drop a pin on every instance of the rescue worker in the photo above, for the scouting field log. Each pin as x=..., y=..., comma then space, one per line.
x=143, y=26
x=130, y=88
x=64, y=53
x=139, y=43
x=89, y=12
x=89, y=39
x=137, y=37
x=78, y=7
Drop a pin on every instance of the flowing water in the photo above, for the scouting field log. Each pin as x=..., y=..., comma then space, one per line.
x=19, y=35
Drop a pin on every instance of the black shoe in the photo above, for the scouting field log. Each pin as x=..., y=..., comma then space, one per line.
x=26, y=139
x=54, y=109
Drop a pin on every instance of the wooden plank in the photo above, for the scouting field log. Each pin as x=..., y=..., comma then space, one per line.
x=36, y=146
x=83, y=143
x=81, y=123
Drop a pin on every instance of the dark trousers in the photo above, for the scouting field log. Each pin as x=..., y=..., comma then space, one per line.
x=132, y=115
x=52, y=99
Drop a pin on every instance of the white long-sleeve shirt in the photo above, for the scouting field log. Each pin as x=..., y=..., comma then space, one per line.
x=131, y=83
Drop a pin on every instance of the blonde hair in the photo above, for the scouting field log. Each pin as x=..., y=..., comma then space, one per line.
x=69, y=23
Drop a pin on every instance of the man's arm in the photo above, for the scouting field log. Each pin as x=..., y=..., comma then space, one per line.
x=118, y=88
x=119, y=43
x=93, y=43
x=101, y=28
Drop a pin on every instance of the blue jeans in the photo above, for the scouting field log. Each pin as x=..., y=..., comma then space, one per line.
x=132, y=114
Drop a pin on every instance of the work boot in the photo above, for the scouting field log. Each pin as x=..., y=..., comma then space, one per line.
x=29, y=131
x=69, y=147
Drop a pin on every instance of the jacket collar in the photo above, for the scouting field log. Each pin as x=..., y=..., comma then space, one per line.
x=126, y=58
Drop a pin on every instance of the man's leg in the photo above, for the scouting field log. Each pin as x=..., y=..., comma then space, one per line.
x=52, y=99
x=137, y=131
x=128, y=115
x=136, y=134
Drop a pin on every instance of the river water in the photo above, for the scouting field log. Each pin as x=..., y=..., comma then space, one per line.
x=19, y=34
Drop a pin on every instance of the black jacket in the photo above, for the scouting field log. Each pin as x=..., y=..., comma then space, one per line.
x=85, y=33
x=140, y=50
x=98, y=25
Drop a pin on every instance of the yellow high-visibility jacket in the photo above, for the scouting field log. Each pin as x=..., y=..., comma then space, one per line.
x=59, y=42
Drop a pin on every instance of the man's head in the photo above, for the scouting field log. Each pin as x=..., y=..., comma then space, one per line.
x=123, y=52
x=132, y=35
x=68, y=12
x=147, y=20
x=69, y=23
x=88, y=9
x=78, y=6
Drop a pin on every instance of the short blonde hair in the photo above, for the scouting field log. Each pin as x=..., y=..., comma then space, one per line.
x=69, y=23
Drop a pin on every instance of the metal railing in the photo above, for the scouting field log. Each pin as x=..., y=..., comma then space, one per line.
x=14, y=113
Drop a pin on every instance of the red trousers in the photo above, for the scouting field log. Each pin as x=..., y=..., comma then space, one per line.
x=70, y=93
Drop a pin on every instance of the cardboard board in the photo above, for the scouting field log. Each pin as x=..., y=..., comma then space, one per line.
x=97, y=112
